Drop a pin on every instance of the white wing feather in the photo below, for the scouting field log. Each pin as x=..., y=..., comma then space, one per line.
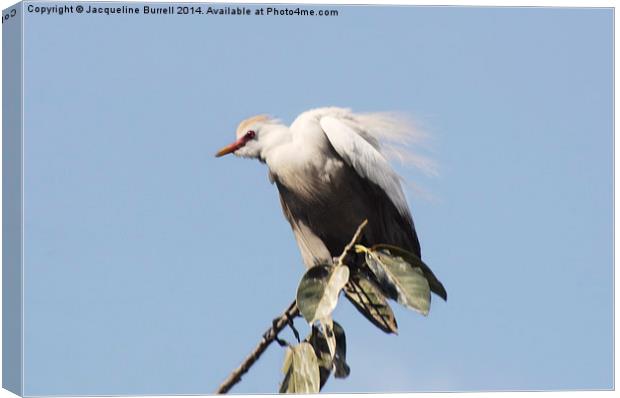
x=394, y=134
x=365, y=158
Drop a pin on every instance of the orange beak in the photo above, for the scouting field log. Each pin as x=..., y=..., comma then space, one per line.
x=231, y=148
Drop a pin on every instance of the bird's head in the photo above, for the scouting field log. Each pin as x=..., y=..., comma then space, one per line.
x=250, y=137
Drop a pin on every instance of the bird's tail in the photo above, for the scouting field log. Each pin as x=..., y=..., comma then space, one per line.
x=399, y=138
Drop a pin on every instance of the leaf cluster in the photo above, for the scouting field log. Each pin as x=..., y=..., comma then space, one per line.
x=386, y=273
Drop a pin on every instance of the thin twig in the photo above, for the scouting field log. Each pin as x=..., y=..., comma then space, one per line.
x=279, y=324
x=348, y=247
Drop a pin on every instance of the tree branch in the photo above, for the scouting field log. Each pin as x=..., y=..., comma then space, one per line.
x=278, y=325
x=354, y=240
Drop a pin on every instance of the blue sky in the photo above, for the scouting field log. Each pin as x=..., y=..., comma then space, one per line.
x=151, y=267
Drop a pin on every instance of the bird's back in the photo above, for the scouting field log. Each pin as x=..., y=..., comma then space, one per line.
x=325, y=198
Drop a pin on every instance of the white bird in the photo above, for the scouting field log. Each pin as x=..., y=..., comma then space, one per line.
x=331, y=174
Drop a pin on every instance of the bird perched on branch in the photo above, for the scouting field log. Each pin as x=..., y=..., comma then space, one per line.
x=331, y=172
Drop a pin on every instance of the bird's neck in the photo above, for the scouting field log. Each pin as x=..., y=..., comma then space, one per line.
x=274, y=139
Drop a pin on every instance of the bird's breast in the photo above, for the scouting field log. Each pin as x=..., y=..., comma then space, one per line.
x=312, y=179
x=326, y=198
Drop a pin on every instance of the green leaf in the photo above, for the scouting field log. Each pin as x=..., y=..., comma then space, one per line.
x=405, y=282
x=321, y=349
x=326, y=362
x=415, y=261
x=327, y=328
x=317, y=294
x=301, y=370
x=367, y=297
x=340, y=360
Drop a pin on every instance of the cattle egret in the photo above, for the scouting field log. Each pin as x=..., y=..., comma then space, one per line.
x=331, y=174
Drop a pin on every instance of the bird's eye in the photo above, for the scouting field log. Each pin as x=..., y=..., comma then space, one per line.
x=250, y=134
